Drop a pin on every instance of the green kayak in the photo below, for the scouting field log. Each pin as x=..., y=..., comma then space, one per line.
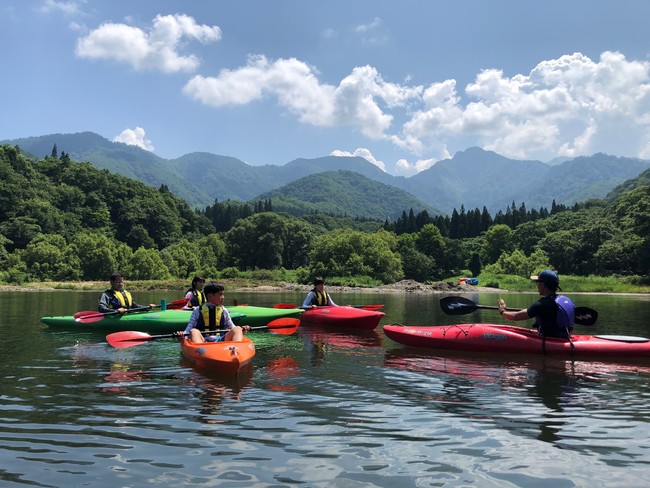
x=152, y=321
x=256, y=316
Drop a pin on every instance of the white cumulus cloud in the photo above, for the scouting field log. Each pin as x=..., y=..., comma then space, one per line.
x=404, y=168
x=361, y=99
x=134, y=137
x=360, y=152
x=155, y=49
x=566, y=107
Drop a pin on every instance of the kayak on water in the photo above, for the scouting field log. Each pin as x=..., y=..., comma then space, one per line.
x=146, y=321
x=492, y=338
x=222, y=357
x=256, y=316
x=345, y=317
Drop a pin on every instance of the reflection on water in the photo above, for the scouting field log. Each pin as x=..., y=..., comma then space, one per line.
x=279, y=371
x=210, y=390
x=547, y=398
x=320, y=341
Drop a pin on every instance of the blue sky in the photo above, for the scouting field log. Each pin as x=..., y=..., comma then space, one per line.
x=404, y=84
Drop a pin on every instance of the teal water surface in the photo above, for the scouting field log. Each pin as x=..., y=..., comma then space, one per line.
x=318, y=408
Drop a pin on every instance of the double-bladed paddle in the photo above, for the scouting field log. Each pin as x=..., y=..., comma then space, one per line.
x=130, y=338
x=462, y=306
x=89, y=316
x=364, y=307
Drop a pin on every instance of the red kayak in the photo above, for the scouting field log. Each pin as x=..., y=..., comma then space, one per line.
x=517, y=340
x=346, y=317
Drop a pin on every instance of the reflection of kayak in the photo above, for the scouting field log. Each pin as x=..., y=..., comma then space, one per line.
x=147, y=321
x=516, y=340
x=347, y=317
x=256, y=316
x=223, y=357
x=353, y=338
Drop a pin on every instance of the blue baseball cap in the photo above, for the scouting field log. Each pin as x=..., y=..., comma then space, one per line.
x=549, y=278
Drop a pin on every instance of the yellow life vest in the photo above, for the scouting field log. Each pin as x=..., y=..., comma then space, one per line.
x=198, y=298
x=211, y=317
x=124, y=297
x=321, y=298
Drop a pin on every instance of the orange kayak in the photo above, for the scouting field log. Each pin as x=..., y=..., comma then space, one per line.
x=224, y=357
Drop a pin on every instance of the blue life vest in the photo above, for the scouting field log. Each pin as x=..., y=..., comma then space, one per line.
x=565, y=313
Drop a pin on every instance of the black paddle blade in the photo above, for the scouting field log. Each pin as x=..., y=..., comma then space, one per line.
x=457, y=305
x=585, y=316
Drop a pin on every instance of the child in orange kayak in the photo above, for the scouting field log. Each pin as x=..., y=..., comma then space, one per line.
x=213, y=315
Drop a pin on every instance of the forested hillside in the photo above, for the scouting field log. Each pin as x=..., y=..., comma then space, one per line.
x=471, y=178
x=65, y=220
x=336, y=192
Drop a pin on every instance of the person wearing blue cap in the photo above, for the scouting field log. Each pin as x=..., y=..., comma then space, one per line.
x=553, y=313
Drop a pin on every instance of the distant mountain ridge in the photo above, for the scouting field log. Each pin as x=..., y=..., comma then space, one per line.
x=473, y=178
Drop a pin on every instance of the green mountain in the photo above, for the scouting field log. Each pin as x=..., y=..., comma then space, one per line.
x=61, y=196
x=473, y=178
x=346, y=193
x=198, y=178
x=642, y=180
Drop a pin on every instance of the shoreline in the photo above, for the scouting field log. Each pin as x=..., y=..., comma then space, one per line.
x=404, y=286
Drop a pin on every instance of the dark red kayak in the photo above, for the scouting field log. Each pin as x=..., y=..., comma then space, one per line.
x=345, y=317
x=514, y=340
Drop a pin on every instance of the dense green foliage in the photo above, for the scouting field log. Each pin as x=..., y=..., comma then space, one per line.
x=62, y=220
x=335, y=192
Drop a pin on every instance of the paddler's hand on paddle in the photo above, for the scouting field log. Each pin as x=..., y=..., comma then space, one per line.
x=245, y=328
x=502, y=305
x=179, y=335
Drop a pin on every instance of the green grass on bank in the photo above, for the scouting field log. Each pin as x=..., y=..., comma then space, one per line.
x=234, y=279
x=569, y=284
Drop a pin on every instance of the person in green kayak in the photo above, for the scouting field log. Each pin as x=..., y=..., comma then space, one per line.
x=213, y=316
x=318, y=297
x=195, y=296
x=117, y=298
x=554, y=314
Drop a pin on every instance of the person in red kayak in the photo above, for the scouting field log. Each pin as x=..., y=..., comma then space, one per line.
x=117, y=298
x=213, y=316
x=318, y=297
x=554, y=314
x=195, y=296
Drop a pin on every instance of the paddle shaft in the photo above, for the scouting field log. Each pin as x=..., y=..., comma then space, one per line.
x=364, y=307
x=582, y=315
x=96, y=317
x=462, y=306
x=125, y=339
x=90, y=316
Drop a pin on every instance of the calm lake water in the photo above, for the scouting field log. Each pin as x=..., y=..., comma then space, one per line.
x=320, y=408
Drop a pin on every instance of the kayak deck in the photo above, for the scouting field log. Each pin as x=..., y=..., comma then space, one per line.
x=156, y=321
x=492, y=338
x=224, y=357
x=345, y=317
x=259, y=316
